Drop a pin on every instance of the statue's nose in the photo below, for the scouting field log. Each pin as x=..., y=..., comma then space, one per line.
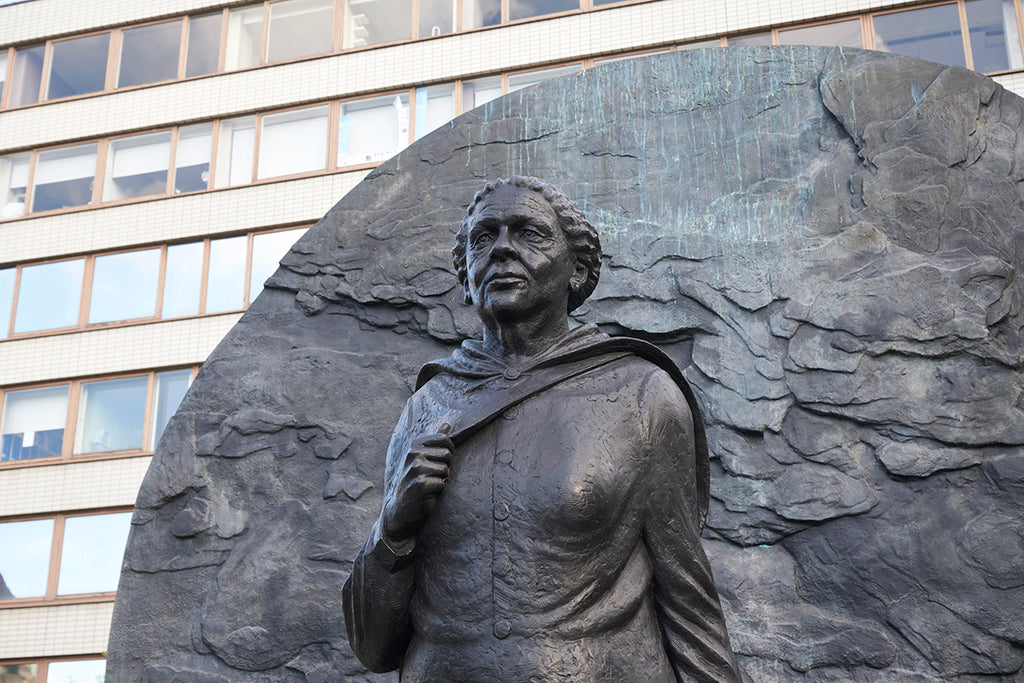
x=503, y=247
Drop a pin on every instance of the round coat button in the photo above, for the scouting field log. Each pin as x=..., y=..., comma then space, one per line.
x=501, y=511
x=510, y=373
x=505, y=456
x=502, y=629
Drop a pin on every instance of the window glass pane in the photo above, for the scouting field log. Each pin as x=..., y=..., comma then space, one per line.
x=479, y=92
x=124, y=286
x=522, y=80
x=523, y=9
x=714, y=42
x=437, y=17
x=931, y=33
x=995, y=41
x=25, y=561
x=368, y=22
x=478, y=13
x=293, y=142
x=3, y=70
x=192, y=158
x=149, y=54
x=82, y=671
x=78, y=66
x=299, y=28
x=245, y=36
x=842, y=33
x=6, y=299
x=373, y=129
x=182, y=280
x=49, y=296
x=110, y=415
x=64, y=177
x=235, y=146
x=170, y=389
x=137, y=166
x=14, y=181
x=18, y=673
x=267, y=250
x=623, y=58
x=203, y=45
x=751, y=40
x=434, y=106
x=33, y=422
x=27, y=76
x=226, y=280
x=90, y=556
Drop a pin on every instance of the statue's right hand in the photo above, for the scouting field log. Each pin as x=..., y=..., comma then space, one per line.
x=424, y=474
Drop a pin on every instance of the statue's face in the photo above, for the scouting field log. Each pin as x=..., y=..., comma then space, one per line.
x=518, y=260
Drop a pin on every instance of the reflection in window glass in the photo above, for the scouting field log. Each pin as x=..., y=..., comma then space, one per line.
x=170, y=389
x=479, y=92
x=437, y=17
x=18, y=673
x=373, y=129
x=522, y=80
x=149, y=54
x=90, y=557
x=995, y=41
x=49, y=296
x=182, y=280
x=434, y=106
x=3, y=71
x=293, y=142
x=25, y=561
x=78, y=66
x=245, y=35
x=369, y=22
x=624, y=58
x=81, y=671
x=110, y=415
x=714, y=42
x=64, y=177
x=27, y=76
x=299, y=28
x=478, y=13
x=203, y=45
x=14, y=181
x=838, y=33
x=523, y=9
x=192, y=158
x=931, y=33
x=267, y=250
x=751, y=40
x=33, y=423
x=6, y=299
x=137, y=166
x=225, y=284
x=235, y=146
x=124, y=286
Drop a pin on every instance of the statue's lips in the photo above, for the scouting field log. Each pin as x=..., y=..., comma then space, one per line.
x=504, y=280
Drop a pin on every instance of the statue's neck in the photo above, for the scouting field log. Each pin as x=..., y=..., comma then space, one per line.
x=518, y=340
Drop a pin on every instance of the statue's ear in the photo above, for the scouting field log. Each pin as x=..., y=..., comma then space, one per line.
x=467, y=298
x=579, y=278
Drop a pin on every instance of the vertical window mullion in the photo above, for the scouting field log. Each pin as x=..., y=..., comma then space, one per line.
x=338, y=29
x=247, y=274
x=74, y=395
x=186, y=25
x=147, y=419
x=214, y=154
x=30, y=185
x=265, y=36
x=867, y=35
x=14, y=302
x=223, y=55
x=44, y=82
x=414, y=18
x=458, y=96
x=113, y=60
x=504, y=11
x=161, y=276
x=55, y=548
x=965, y=33
x=8, y=75
x=101, y=171
x=86, y=297
x=256, y=134
x=457, y=19
x=172, y=162
x=204, y=278
x=333, y=123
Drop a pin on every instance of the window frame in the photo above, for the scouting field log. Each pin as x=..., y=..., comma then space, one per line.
x=43, y=663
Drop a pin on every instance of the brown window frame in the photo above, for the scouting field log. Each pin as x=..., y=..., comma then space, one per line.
x=42, y=664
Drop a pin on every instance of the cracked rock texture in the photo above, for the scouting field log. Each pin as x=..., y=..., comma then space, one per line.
x=829, y=241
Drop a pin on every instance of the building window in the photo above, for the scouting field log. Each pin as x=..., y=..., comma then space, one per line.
x=373, y=129
x=437, y=17
x=61, y=556
x=183, y=280
x=480, y=91
x=995, y=40
x=110, y=415
x=293, y=142
x=124, y=286
x=245, y=37
x=931, y=33
x=299, y=28
x=33, y=423
x=192, y=158
x=137, y=166
x=149, y=54
x=78, y=66
x=54, y=671
x=524, y=9
x=435, y=106
x=49, y=295
x=371, y=22
x=236, y=151
x=14, y=180
x=527, y=78
x=480, y=13
x=3, y=73
x=225, y=282
x=26, y=76
x=203, y=52
x=64, y=177
x=845, y=33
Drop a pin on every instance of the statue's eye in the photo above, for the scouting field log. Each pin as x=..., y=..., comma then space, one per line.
x=481, y=239
x=532, y=235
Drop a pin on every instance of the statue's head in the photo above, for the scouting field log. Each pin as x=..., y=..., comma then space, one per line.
x=584, y=244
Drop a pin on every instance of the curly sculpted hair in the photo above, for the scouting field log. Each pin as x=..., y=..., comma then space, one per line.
x=584, y=244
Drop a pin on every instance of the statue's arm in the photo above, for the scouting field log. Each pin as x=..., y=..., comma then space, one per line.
x=377, y=594
x=687, y=604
